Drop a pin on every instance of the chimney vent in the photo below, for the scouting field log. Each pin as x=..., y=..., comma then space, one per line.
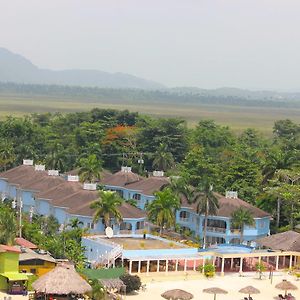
x=53, y=172
x=231, y=195
x=39, y=167
x=158, y=173
x=126, y=169
x=27, y=162
x=90, y=186
x=73, y=178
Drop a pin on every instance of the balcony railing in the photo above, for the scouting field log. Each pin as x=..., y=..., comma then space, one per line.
x=185, y=220
x=216, y=229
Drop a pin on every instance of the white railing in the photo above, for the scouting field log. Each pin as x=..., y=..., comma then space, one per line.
x=216, y=229
x=185, y=220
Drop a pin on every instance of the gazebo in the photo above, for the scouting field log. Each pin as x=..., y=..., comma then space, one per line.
x=63, y=282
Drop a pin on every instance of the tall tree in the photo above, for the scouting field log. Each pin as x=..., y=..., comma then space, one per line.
x=8, y=225
x=162, y=210
x=107, y=207
x=163, y=158
x=75, y=223
x=207, y=205
x=90, y=169
x=241, y=218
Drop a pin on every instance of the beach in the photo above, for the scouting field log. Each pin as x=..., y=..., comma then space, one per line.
x=231, y=283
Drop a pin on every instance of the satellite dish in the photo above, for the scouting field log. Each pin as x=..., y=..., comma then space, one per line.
x=109, y=232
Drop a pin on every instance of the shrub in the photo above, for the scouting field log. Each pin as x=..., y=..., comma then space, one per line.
x=209, y=270
x=132, y=282
x=260, y=268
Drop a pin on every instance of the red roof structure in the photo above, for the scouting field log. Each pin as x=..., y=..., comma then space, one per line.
x=25, y=243
x=6, y=248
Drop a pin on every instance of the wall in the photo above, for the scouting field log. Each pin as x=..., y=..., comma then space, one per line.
x=94, y=249
x=40, y=269
x=28, y=200
x=9, y=262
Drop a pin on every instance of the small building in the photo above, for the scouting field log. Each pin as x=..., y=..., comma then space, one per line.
x=11, y=280
x=36, y=262
x=284, y=241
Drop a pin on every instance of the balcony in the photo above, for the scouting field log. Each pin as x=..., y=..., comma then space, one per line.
x=184, y=220
x=216, y=229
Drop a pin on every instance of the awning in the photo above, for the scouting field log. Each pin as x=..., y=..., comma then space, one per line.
x=15, y=276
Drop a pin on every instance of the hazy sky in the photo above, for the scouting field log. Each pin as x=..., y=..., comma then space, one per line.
x=204, y=43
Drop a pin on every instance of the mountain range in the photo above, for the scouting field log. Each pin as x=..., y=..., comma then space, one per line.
x=18, y=69
x=15, y=68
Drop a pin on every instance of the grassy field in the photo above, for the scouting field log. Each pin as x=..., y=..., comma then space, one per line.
x=236, y=117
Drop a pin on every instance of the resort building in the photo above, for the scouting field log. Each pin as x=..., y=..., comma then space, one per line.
x=219, y=229
x=63, y=196
x=48, y=193
x=11, y=280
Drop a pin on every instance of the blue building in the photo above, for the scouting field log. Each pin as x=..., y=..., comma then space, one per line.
x=219, y=229
x=132, y=186
x=47, y=193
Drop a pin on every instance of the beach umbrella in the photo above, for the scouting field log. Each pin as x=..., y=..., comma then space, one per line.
x=250, y=290
x=177, y=294
x=215, y=291
x=286, y=286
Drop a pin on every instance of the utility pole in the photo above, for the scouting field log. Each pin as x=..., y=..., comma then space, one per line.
x=20, y=205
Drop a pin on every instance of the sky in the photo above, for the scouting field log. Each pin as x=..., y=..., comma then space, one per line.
x=252, y=44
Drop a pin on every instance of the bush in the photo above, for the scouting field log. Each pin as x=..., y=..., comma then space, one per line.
x=209, y=270
x=260, y=268
x=132, y=282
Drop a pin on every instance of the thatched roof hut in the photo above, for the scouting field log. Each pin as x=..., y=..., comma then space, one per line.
x=62, y=280
x=285, y=241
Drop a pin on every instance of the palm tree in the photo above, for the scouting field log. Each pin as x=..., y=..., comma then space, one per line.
x=7, y=155
x=163, y=158
x=8, y=226
x=90, y=169
x=75, y=223
x=240, y=218
x=55, y=160
x=207, y=204
x=277, y=161
x=107, y=207
x=162, y=210
x=180, y=188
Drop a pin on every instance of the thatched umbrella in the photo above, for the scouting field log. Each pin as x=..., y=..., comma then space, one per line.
x=177, y=295
x=62, y=280
x=113, y=284
x=286, y=286
x=215, y=291
x=250, y=290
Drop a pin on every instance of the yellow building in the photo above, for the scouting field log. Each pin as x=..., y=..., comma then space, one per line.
x=11, y=280
x=35, y=262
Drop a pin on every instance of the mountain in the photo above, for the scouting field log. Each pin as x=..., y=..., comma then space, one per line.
x=18, y=69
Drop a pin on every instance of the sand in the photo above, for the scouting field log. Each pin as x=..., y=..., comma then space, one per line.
x=232, y=283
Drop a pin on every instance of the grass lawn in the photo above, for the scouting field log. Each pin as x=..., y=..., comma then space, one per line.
x=237, y=118
x=141, y=244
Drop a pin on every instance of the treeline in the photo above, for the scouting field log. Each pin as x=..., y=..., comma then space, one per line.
x=263, y=172
x=137, y=96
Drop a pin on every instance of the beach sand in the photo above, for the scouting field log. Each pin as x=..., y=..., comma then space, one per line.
x=194, y=284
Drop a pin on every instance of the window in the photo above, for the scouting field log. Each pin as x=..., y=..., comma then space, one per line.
x=92, y=225
x=136, y=196
x=184, y=215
